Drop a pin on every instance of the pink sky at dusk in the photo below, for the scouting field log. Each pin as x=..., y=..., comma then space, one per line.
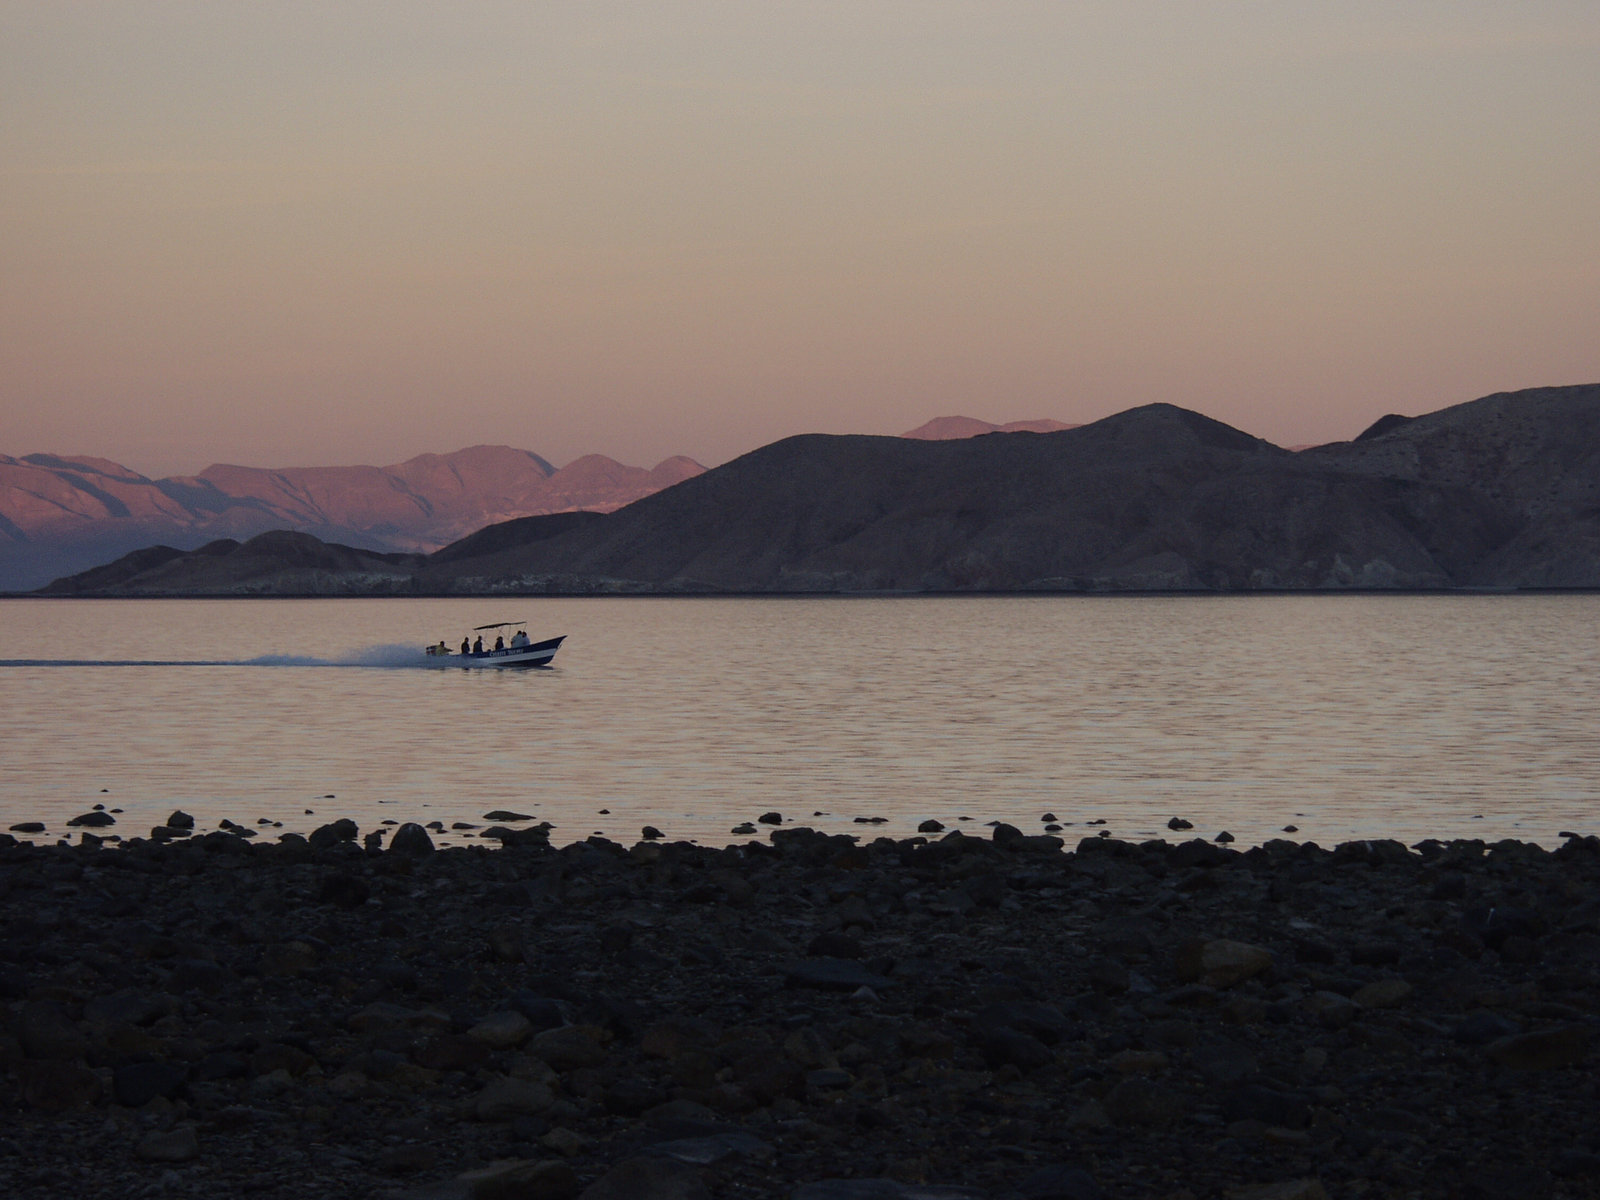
x=317, y=233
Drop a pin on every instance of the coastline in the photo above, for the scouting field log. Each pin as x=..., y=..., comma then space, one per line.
x=598, y=593
x=996, y=1016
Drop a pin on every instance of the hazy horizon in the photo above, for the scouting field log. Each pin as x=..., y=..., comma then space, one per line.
x=557, y=463
x=300, y=235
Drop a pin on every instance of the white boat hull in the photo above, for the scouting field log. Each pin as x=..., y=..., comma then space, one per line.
x=535, y=654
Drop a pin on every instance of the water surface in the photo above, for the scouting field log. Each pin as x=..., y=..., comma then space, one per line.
x=1346, y=716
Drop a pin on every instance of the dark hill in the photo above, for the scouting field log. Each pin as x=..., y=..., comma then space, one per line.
x=1157, y=497
x=1529, y=458
x=281, y=562
x=129, y=567
x=511, y=535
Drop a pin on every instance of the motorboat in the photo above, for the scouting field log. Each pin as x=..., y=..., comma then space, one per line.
x=517, y=650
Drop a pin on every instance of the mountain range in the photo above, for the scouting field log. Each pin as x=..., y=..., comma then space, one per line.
x=1501, y=492
x=62, y=513
x=59, y=514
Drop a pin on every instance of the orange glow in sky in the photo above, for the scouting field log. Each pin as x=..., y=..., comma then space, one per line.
x=308, y=233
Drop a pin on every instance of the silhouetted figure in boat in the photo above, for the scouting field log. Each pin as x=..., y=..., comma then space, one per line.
x=477, y=644
x=466, y=647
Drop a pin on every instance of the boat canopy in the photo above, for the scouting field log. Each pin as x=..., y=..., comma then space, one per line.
x=498, y=625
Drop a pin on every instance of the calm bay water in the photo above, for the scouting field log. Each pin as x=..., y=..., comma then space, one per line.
x=1347, y=716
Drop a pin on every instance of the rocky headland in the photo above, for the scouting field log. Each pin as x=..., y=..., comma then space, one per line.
x=807, y=1016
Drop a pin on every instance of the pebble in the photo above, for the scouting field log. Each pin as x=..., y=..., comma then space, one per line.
x=1223, y=1063
x=1060, y=1181
x=648, y=1179
x=1382, y=993
x=505, y=1098
x=1331, y=1010
x=713, y=1148
x=56, y=1087
x=566, y=1142
x=45, y=1031
x=568, y=1047
x=521, y=1180
x=136, y=1084
x=1290, y=1189
x=1137, y=1101
x=1220, y=962
x=173, y=1146
x=833, y=974
x=1544, y=1049
x=879, y=1189
x=502, y=1030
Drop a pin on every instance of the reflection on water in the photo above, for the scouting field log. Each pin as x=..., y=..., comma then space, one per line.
x=1347, y=716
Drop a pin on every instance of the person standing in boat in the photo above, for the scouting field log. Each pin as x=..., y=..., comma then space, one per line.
x=477, y=644
x=466, y=647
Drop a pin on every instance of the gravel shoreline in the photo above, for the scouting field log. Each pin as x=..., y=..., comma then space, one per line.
x=810, y=1016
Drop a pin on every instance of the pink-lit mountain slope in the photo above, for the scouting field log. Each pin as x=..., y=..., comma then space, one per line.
x=418, y=504
x=59, y=514
x=595, y=483
x=945, y=429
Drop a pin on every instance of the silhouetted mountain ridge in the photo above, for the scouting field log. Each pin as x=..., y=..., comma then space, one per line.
x=281, y=562
x=1503, y=492
x=945, y=428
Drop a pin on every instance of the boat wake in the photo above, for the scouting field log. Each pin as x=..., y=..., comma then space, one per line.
x=391, y=657
x=394, y=657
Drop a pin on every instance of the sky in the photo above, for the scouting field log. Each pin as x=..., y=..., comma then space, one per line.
x=303, y=233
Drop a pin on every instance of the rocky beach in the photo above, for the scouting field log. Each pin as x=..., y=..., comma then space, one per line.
x=805, y=1015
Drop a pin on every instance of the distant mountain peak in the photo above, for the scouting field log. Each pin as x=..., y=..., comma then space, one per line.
x=945, y=429
x=482, y=457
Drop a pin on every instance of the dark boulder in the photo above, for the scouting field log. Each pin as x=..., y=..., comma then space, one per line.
x=411, y=840
x=134, y=1085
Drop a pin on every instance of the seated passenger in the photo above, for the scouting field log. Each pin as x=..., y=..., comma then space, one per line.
x=466, y=646
x=499, y=643
x=518, y=639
